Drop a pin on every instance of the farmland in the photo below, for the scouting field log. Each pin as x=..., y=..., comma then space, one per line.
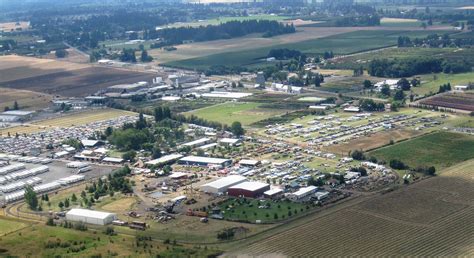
x=430, y=83
x=340, y=44
x=226, y=113
x=462, y=101
x=61, y=78
x=80, y=118
x=440, y=149
x=26, y=99
x=423, y=219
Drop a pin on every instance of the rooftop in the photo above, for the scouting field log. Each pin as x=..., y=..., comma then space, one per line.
x=250, y=186
x=89, y=213
x=204, y=159
x=226, y=181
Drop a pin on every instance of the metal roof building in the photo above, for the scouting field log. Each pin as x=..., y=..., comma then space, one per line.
x=248, y=189
x=204, y=161
x=90, y=216
x=164, y=160
x=221, y=185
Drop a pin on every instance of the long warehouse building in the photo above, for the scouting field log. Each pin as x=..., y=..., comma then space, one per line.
x=221, y=185
x=204, y=161
x=90, y=216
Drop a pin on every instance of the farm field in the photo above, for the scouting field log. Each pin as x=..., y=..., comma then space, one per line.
x=225, y=19
x=374, y=141
x=11, y=26
x=462, y=101
x=61, y=78
x=244, y=112
x=423, y=219
x=359, y=40
x=26, y=99
x=80, y=118
x=441, y=149
x=430, y=83
x=397, y=22
x=352, y=61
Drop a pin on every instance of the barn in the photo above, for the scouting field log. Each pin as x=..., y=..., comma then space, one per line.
x=248, y=189
x=204, y=161
x=221, y=185
x=90, y=216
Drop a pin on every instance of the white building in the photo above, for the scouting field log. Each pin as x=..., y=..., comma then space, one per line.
x=461, y=87
x=229, y=141
x=391, y=83
x=221, y=185
x=302, y=193
x=286, y=88
x=90, y=216
x=164, y=160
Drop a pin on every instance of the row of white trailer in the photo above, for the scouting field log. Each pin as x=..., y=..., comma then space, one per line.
x=43, y=188
x=25, y=159
x=23, y=174
x=20, y=185
x=11, y=168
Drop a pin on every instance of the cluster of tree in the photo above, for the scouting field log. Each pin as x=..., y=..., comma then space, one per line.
x=411, y=66
x=361, y=170
x=359, y=20
x=357, y=155
x=316, y=182
x=224, y=69
x=73, y=143
x=61, y=53
x=144, y=57
x=160, y=113
x=397, y=164
x=128, y=55
x=370, y=105
x=15, y=106
x=436, y=41
x=444, y=88
x=285, y=53
x=231, y=29
x=226, y=234
x=30, y=198
x=430, y=171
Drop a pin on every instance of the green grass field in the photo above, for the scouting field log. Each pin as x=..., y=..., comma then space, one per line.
x=341, y=44
x=226, y=113
x=225, y=19
x=394, y=22
x=248, y=210
x=441, y=149
x=431, y=83
x=8, y=225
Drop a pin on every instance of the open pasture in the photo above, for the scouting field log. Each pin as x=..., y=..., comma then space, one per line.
x=358, y=40
x=12, y=26
x=399, y=22
x=26, y=99
x=8, y=225
x=419, y=220
x=462, y=101
x=374, y=141
x=244, y=112
x=441, y=149
x=61, y=78
x=80, y=118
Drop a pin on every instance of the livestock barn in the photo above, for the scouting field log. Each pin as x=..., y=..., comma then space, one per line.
x=248, y=189
x=221, y=185
x=90, y=216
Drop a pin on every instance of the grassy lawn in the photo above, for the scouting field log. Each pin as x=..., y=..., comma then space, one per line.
x=441, y=149
x=225, y=19
x=346, y=43
x=8, y=225
x=431, y=83
x=248, y=210
x=244, y=112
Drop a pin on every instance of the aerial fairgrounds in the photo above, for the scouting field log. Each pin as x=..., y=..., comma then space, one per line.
x=215, y=186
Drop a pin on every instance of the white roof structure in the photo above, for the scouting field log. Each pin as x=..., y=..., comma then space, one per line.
x=18, y=113
x=273, y=192
x=208, y=160
x=90, y=216
x=230, y=141
x=197, y=142
x=113, y=160
x=352, y=109
x=221, y=185
x=89, y=143
x=319, y=107
x=176, y=175
x=208, y=146
x=250, y=186
x=228, y=95
x=304, y=191
x=165, y=159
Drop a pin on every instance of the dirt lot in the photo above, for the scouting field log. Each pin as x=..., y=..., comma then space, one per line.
x=374, y=141
x=430, y=218
x=62, y=78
